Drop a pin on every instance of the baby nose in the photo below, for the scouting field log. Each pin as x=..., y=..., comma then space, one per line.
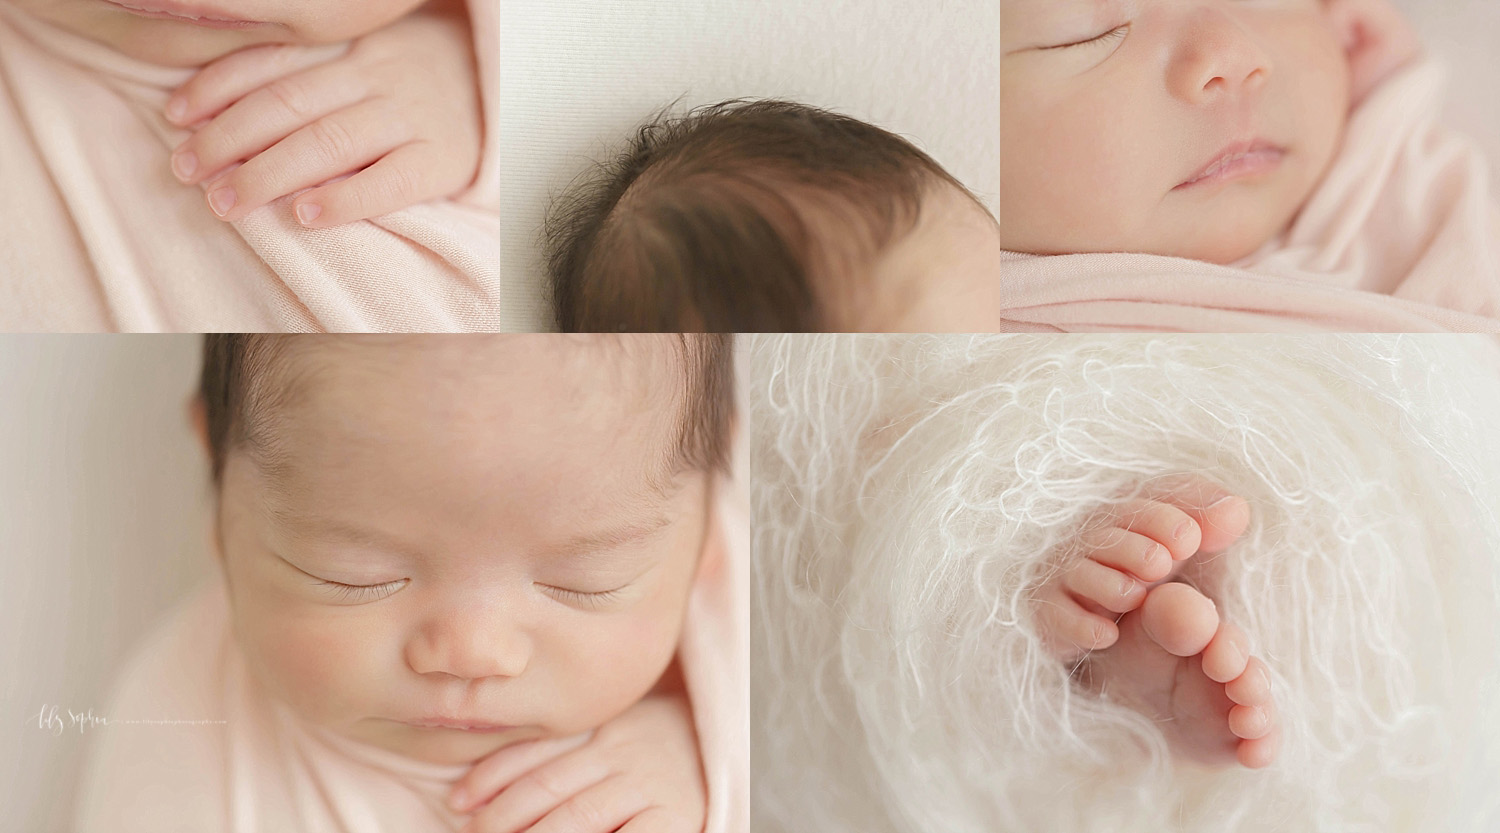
x=1216, y=59
x=470, y=647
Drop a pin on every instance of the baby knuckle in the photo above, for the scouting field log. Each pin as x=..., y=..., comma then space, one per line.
x=402, y=185
x=333, y=141
x=589, y=812
x=548, y=786
x=291, y=95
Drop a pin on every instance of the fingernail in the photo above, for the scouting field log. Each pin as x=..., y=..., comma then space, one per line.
x=221, y=201
x=307, y=212
x=459, y=800
x=184, y=164
x=176, y=109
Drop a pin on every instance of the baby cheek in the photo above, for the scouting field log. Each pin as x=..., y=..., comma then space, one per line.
x=318, y=667
x=622, y=665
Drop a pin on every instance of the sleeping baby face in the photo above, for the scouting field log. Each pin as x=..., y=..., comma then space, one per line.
x=194, y=32
x=445, y=545
x=1194, y=128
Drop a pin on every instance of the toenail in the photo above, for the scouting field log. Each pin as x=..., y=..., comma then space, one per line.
x=1181, y=530
x=1127, y=586
x=1156, y=552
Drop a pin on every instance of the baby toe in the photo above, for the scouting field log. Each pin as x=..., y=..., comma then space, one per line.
x=1253, y=687
x=1130, y=551
x=1069, y=631
x=1260, y=752
x=1104, y=586
x=1221, y=516
x=1179, y=619
x=1164, y=523
x=1251, y=722
x=1227, y=655
x=1223, y=523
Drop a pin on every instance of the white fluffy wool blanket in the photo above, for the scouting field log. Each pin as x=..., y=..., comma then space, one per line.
x=909, y=490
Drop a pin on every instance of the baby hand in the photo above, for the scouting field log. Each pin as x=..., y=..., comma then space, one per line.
x=639, y=773
x=398, y=113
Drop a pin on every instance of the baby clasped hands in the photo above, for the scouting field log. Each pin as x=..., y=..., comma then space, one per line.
x=638, y=773
x=395, y=121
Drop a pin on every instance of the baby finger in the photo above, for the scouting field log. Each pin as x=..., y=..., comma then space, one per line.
x=537, y=794
x=600, y=809
x=338, y=144
x=397, y=181
x=235, y=76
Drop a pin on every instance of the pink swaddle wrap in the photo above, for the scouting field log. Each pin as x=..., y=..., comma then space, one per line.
x=262, y=770
x=1403, y=234
x=96, y=233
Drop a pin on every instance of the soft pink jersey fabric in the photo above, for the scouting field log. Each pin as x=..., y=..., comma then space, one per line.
x=262, y=770
x=96, y=233
x=1403, y=235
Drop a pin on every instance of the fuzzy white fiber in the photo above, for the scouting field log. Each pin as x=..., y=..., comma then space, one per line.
x=910, y=492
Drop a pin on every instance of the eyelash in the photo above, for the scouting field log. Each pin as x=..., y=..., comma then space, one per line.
x=590, y=599
x=361, y=592
x=1113, y=34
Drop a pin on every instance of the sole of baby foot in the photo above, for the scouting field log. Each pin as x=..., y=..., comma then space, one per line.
x=1177, y=663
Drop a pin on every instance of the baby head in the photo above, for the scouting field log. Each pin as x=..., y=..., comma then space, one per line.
x=194, y=32
x=1191, y=128
x=443, y=545
x=764, y=216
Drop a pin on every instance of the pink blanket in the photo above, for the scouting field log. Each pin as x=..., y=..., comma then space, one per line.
x=96, y=234
x=255, y=768
x=1403, y=235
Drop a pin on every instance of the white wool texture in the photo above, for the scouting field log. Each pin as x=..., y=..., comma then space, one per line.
x=910, y=493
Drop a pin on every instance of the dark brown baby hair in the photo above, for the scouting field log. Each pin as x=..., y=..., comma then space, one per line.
x=240, y=394
x=736, y=217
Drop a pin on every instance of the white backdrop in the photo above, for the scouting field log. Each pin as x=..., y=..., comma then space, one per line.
x=1461, y=33
x=578, y=75
x=103, y=494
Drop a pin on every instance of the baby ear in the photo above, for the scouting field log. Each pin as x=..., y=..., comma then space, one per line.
x=198, y=419
x=1377, y=40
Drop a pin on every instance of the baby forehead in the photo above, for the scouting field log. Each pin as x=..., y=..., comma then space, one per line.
x=610, y=363
x=1042, y=12
x=466, y=377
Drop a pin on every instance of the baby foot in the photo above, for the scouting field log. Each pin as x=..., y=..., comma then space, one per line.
x=1177, y=663
x=1144, y=544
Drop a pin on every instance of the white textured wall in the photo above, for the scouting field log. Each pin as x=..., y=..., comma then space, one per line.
x=102, y=525
x=578, y=75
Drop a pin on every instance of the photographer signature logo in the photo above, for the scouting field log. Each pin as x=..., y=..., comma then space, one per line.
x=57, y=720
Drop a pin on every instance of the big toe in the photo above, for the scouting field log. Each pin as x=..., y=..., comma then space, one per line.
x=1179, y=619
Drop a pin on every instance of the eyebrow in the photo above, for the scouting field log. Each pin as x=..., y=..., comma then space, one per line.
x=592, y=546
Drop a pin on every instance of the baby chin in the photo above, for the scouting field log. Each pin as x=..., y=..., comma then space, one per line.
x=1234, y=223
